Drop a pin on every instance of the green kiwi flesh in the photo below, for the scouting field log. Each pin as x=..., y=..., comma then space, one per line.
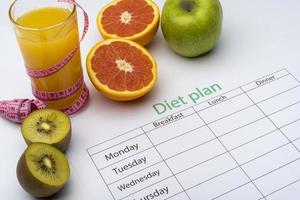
x=47, y=126
x=42, y=170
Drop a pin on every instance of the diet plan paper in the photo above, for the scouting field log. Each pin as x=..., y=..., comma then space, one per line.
x=241, y=143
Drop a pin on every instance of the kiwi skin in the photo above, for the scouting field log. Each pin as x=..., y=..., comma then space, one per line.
x=62, y=145
x=32, y=185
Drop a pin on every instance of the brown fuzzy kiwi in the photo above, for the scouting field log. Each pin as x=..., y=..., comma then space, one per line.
x=42, y=170
x=47, y=126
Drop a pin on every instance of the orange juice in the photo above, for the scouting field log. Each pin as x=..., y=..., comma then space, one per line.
x=50, y=34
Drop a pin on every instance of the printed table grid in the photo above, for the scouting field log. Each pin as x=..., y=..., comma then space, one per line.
x=98, y=150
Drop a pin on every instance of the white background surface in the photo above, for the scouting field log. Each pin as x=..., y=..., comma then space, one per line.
x=259, y=37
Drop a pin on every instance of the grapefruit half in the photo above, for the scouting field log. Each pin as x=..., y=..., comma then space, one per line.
x=121, y=69
x=135, y=20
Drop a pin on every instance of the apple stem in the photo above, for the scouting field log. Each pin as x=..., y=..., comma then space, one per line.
x=187, y=5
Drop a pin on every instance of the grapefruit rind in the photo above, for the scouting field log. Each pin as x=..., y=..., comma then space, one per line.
x=144, y=37
x=120, y=95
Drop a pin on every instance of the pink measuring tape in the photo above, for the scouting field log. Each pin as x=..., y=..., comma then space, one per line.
x=17, y=110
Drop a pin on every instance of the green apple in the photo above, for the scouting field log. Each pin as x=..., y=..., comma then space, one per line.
x=192, y=27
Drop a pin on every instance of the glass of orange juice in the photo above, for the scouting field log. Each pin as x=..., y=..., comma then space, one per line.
x=47, y=34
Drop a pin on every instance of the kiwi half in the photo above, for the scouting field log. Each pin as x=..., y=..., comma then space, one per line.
x=42, y=170
x=47, y=126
